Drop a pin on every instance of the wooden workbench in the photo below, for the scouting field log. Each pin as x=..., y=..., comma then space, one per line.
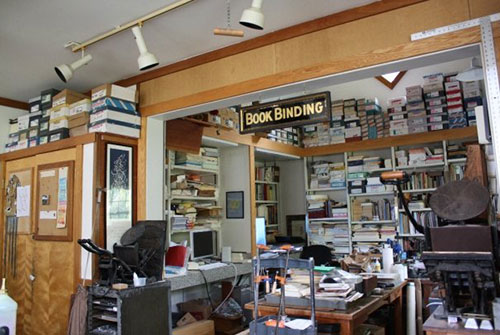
x=433, y=326
x=350, y=318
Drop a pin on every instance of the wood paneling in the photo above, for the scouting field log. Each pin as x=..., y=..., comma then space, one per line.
x=49, y=147
x=14, y=103
x=253, y=206
x=372, y=33
x=380, y=56
x=141, y=171
x=273, y=37
x=480, y=8
x=250, y=64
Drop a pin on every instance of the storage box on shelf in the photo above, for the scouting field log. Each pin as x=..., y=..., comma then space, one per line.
x=192, y=193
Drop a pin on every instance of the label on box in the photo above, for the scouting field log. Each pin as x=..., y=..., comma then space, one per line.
x=60, y=101
x=452, y=85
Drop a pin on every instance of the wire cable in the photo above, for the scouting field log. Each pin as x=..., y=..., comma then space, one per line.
x=207, y=288
x=231, y=291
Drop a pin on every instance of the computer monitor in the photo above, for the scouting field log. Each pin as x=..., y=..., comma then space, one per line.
x=260, y=230
x=202, y=243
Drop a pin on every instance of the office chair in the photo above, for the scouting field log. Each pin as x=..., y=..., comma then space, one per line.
x=321, y=254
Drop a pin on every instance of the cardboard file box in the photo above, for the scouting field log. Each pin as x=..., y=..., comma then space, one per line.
x=59, y=123
x=115, y=91
x=114, y=104
x=44, y=124
x=46, y=98
x=23, y=122
x=78, y=120
x=80, y=130
x=108, y=127
x=58, y=112
x=80, y=106
x=43, y=139
x=35, y=104
x=66, y=97
x=115, y=116
x=58, y=135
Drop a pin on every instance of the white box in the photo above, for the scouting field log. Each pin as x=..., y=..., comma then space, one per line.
x=23, y=122
x=117, y=116
x=115, y=129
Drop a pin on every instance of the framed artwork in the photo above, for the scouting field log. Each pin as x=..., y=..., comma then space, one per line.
x=235, y=205
x=118, y=192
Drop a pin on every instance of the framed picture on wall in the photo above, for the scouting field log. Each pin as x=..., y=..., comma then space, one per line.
x=118, y=192
x=235, y=205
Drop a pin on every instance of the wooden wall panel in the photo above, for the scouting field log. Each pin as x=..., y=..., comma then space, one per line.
x=141, y=171
x=480, y=8
x=250, y=65
x=372, y=33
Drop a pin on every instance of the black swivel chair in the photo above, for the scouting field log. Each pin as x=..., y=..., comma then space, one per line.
x=321, y=254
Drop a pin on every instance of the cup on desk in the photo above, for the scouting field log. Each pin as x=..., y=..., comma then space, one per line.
x=139, y=281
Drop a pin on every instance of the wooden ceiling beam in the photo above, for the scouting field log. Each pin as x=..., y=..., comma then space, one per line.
x=14, y=103
x=304, y=28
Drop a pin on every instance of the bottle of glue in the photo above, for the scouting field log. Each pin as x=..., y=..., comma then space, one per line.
x=8, y=311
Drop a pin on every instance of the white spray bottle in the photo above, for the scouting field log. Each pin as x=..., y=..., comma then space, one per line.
x=8, y=310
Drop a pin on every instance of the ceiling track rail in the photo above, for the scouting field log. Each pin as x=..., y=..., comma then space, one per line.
x=125, y=26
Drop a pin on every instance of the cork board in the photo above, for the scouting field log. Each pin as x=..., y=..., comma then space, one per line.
x=24, y=223
x=54, y=202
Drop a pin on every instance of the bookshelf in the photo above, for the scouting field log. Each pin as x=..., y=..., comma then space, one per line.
x=267, y=195
x=426, y=177
x=192, y=191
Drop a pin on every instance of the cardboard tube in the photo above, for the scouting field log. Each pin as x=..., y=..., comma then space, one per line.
x=228, y=32
x=410, y=310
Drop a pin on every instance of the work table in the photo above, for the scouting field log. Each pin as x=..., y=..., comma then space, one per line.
x=195, y=278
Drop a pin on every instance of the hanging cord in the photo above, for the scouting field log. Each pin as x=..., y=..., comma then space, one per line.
x=94, y=221
x=228, y=13
x=231, y=291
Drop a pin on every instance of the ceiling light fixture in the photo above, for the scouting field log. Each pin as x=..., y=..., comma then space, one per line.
x=146, y=59
x=473, y=73
x=65, y=71
x=253, y=17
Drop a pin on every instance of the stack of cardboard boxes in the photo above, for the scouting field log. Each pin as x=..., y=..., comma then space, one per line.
x=351, y=121
x=435, y=101
x=455, y=108
x=416, y=109
x=337, y=130
x=472, y=99
x=398, y=115
x=60, y=113
x=78, y=119
x=114, y=111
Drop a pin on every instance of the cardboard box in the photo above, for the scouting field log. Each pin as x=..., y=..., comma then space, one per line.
x=199, y=308
x=43, y=139
x=78, y=120
x=23, y=122
x=58, y=135
x=22, y=144
x=107, y=127
x=77, y=131
x=35, y=104
x=115, y=91
x=60, y=123
x=44, y=124
x=58, y=112
x=125, y=118
x=80, y=106
x=23, y=135
x=205, y=327
x=66, y=97
x=114, y=104
x=46, y=98
x=35, y=120
x=33, y=142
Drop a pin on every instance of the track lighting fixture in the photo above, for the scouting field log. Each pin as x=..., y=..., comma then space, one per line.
x=146, y=59
x=253, y=17
x=65, y=71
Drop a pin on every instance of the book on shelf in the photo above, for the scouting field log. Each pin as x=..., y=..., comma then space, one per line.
x=266, y=192
x=426, y=219
x=267, y=173
x=425, y=180
x=270, y=213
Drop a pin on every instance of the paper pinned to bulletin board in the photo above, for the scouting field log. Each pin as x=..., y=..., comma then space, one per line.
x=54, y=202
x=19, y=201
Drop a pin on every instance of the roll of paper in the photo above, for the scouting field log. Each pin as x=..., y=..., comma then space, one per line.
x=411, y=328
x=387, y=259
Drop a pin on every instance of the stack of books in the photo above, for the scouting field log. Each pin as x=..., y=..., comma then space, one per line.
x=210, y=158
x=188, y=159
x=398, y=123
x=372, y=163
x=337, y=130
x=179, y=222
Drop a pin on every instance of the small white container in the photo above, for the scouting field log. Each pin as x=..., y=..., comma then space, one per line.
x=8, y=310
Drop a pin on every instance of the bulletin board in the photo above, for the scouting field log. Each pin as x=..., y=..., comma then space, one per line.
x=54, y=202
x=22, y=200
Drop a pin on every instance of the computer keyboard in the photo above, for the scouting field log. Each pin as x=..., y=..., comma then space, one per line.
x=212, y=266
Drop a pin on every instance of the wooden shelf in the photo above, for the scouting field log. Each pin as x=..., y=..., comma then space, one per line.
x=373, y=222
x=187, y=197
x=420, y=166
x=328, y=189
x=457, y=160
x=417, y=210
x=393, y=141
x=194, y=169
x=266, y=202
x=420, y=190
x=266, y=182
x=371, y=194
x=329, y=219
x=412, y=235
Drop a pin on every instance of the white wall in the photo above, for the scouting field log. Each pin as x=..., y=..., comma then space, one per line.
x=371, y=87
x=235, y=176
x=7, y=113
x=155, y=169
x=292, y=190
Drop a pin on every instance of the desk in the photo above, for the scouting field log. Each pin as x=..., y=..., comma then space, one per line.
x=350, y=318
x=433, y=326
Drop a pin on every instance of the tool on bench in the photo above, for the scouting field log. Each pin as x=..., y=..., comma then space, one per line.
x=276, y=325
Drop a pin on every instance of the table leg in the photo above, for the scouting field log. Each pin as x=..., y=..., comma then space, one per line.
x=346, y=327
x=398, y=314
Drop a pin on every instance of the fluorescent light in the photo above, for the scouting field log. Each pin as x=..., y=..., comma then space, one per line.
x=276, y=153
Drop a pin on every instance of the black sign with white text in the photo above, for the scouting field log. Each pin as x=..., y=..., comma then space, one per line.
x=298, y=111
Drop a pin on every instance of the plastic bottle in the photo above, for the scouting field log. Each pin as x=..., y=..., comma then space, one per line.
x=8, y=310
x=376, y=267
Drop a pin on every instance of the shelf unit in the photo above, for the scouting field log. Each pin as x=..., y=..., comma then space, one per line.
x=343, y=193
x=269, y=208
x=172, y=169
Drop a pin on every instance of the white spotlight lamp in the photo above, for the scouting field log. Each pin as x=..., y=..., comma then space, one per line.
x=65, y=71
x=253, y=17
x=475, y=72
x=146, y=59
